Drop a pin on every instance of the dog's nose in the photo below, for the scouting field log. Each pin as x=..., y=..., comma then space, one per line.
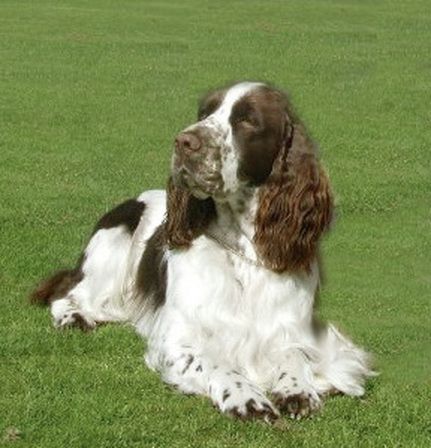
x=187, y=141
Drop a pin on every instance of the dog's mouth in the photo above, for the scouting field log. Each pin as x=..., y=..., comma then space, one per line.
x=200, y=186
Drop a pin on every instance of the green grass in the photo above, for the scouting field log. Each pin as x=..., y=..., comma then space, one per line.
x=91, y=95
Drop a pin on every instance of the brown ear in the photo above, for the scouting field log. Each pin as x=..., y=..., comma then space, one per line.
x=295, y=206
x=187, y=217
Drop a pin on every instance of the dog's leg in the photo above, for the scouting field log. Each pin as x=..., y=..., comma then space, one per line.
x=231, y=392
x=235, y=395
x=66, y=313
x=92, y=292
x=96, y=297
x=293, y=389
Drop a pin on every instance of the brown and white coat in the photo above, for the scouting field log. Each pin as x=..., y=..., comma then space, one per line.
x=220, y=272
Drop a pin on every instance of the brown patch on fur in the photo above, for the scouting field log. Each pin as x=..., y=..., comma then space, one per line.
x=226, y=394
x=152, y=271
x=297, y=405
x=128, y=213
x=190, y=359
x=187, y=216
x=258, y=121
x=295, y=206
x=56, y=286
x=252, y=411
x=81, y=323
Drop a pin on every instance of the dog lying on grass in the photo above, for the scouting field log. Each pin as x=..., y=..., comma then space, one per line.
x=220, y=272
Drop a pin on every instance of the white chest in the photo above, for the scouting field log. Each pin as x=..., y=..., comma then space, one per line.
x=221, y=291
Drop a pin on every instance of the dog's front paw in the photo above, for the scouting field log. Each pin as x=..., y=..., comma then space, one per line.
x=75, y=319
x=245, y=402
x=252, y=409
x=66, y=314
x=297, y=405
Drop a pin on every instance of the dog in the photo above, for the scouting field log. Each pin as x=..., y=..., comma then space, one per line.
x=220, y=272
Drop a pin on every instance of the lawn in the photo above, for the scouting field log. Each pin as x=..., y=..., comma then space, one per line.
x=91, y=95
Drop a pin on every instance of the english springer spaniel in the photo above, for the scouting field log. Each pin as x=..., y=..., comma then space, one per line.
x=220, y=272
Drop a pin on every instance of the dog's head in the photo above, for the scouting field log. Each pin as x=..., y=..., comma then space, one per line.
x=234, y=143
x=247, y=137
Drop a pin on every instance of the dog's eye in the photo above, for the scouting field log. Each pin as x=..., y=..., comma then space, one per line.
x=246, y=119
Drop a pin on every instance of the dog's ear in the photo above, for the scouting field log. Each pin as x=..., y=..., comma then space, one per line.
x=187, y=217
x=295, y=205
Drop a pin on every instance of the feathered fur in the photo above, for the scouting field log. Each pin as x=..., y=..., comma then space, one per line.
x=295, y=206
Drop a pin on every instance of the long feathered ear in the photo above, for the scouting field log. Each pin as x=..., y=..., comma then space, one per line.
x=295, y=206
x=187, y=217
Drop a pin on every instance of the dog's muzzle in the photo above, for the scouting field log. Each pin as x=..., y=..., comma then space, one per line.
x=196, y=163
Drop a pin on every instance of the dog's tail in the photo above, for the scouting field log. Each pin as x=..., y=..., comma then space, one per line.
x=56, y=286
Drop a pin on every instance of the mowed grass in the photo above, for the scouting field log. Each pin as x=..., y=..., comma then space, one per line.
x=91, y=96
